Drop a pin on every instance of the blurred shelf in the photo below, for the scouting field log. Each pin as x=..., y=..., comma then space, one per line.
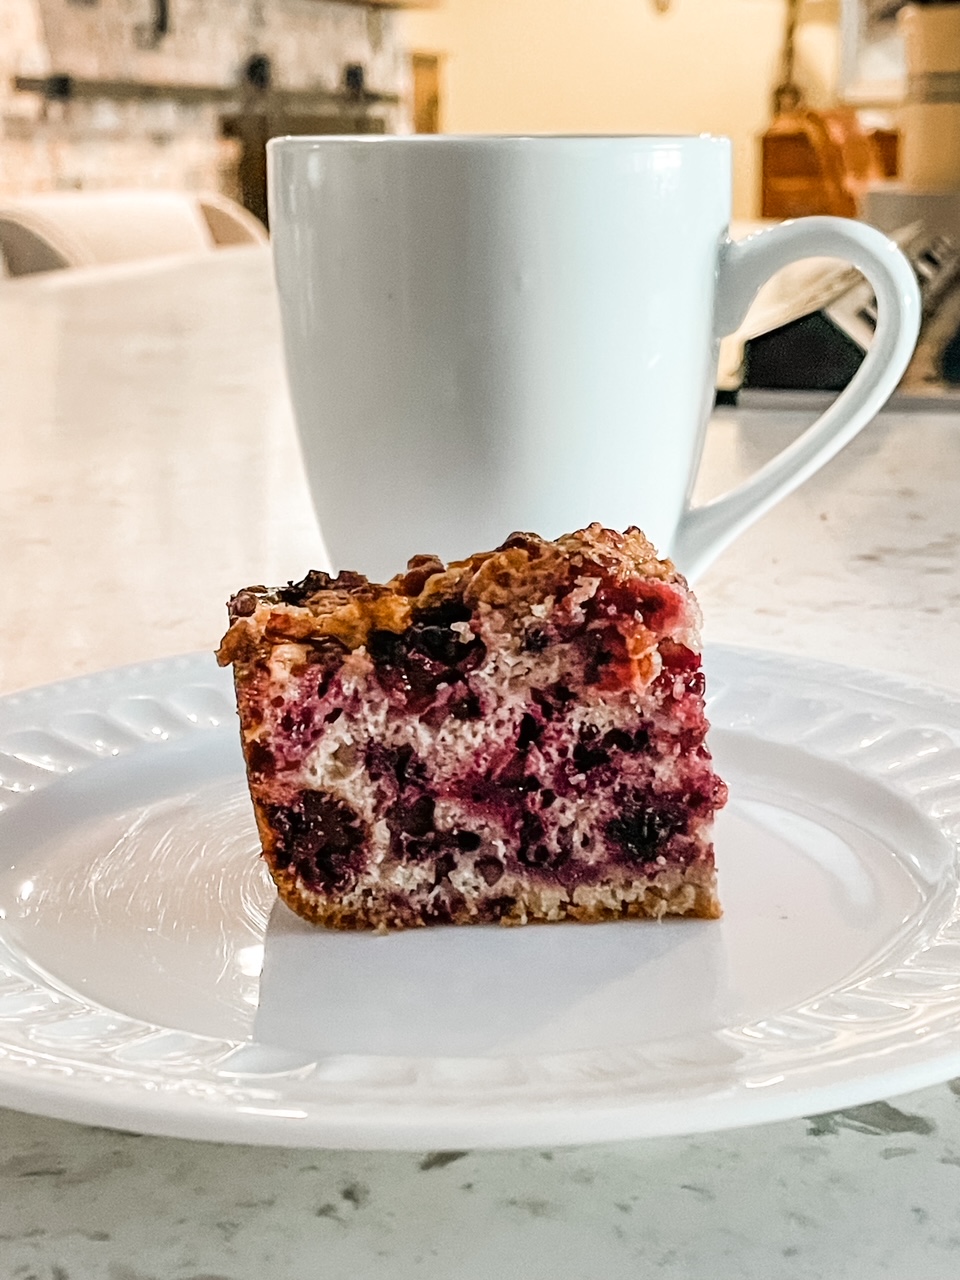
x=391, y=4
x=63, y=88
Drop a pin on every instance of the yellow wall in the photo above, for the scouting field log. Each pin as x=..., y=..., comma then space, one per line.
x=617, y=66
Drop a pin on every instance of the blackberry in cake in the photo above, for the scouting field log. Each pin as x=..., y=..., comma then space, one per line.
x=514, y=737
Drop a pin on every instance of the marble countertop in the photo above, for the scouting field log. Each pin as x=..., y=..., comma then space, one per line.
x=149, y=467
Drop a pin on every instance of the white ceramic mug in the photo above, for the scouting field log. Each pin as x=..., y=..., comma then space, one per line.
x=490, y=334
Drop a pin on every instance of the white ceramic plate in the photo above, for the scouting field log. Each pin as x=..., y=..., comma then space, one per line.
x=148, y=981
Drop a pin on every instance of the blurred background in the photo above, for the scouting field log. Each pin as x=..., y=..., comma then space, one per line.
x=183, y=93
x=848, y=107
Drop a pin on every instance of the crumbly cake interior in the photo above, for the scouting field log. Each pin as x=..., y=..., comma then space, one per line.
x=517, y=736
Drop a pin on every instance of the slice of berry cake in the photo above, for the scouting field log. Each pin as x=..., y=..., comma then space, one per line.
x=514, y=737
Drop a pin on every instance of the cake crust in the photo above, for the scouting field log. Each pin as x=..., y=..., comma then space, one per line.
x=514, y=737
x=519, y=573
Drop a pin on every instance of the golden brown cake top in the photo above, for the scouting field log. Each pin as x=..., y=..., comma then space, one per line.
x=522, y=571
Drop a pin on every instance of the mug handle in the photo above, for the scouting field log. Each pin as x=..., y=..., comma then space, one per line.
x=743, y=267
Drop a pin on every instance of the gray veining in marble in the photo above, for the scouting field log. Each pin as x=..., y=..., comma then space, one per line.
x=872, y=1191
x=148, y=469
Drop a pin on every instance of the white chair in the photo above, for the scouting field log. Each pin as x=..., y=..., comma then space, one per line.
x=90, y=228
x=228, y=222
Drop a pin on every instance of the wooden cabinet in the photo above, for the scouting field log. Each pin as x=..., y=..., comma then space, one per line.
x=426, y=92
x=816, y=162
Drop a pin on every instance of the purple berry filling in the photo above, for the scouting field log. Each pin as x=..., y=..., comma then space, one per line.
x=477, y=762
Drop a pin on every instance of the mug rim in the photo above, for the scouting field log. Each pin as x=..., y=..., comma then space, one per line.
x=496, y=141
